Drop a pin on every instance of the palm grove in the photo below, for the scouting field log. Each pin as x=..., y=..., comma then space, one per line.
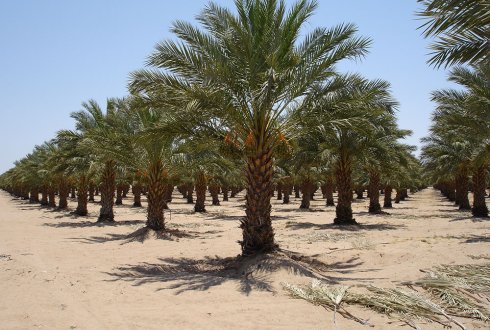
x=243, y=102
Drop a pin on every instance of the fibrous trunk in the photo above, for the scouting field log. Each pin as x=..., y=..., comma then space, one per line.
x=64, y=192
x=136, y=190
x=343, y=173
x=462, y=190
x=279, y=191
x=44, y=195
x=156, y=196
x=91, y=192
x=34, y=195
x=213, y=190
x=387, y=197
x=190, y=190
x=200, y=192
x=359, y=193
x=479, y=206
x=307, y=189
x=119, y=194
x=225, y=193
x=107, y=188
x=82, y=196
x=329, y=192
x=257, y=232
x=374, y=206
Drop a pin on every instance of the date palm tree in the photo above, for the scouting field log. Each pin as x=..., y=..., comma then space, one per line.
x=249, y=71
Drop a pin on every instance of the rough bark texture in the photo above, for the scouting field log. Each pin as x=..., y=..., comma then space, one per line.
x=64, y=192
x=190, y=190
x=258, y=235
x=462, y=190
x=156, y=197
x=374, y=205
x=296, y=191
x=359, y=193
x=343, y=173
x=288, y=189
x=307, y=189
x=82, y=197
x=214, y=191
x=329, y=192
x=107, y=188
x=279, y=191
x=73, y=194
x=387, y=197
x=169, y=189
x=398, y=196
x=479, y=208
x=200, y=192
x=119, y=194
x=136, y=190
x=91, y=192
x=225, y=193
x=34, y=195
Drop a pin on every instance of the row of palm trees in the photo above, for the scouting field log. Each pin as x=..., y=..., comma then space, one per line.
x=240, y=102
x=456, y=153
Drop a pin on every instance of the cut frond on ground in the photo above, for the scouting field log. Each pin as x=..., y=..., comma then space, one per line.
x=450, y=291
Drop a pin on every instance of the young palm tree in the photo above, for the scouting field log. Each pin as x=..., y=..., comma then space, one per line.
x=249, y=70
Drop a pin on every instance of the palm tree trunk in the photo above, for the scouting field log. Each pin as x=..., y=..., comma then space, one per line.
x=398, y=195
x=91, y=191
x=374, y=206
x=288, y=189
x=479, y=206
x=329, y=192
x=107, y=192
x=225, y=193
x=73, y=193
x=359, y=193
x=306, y=189
x=257, y=232
x=51, y=197
x=34, y=195
x=200, y=192
x=169, y=189
x=387, y=198
x=279, y=191
x=343, y=210
x=190, y=191
x=119, y=193
x=462, y=190
x=296, y=191
x=136, y=190
x=44, y=195
x=64, y=192
x=82, y=197
x=156, y=196
x=213, y=190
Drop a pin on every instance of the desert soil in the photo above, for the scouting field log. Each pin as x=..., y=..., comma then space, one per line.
x=59, y=271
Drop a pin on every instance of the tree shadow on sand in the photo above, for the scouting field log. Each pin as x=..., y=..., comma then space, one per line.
x=140, y=235
x=82, y=224
x=252, y=273
x=359, y=227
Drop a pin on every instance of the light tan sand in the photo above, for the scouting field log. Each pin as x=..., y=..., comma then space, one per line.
x=58, y=271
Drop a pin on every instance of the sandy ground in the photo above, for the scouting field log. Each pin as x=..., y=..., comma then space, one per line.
x=58, y=271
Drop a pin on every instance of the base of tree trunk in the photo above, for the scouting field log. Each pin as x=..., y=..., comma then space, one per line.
x=480, y=211
x=330, y=202
x=375, y=208
x=105, y=218
x=81, y=212
x=199, y=208
x=388, y=205
x=344, y=216
x=137, y=204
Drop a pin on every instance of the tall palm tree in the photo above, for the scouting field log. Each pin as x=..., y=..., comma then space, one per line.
x=461, y=28
x=249, y=71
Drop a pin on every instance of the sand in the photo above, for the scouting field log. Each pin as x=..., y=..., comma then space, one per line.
x=58, y=271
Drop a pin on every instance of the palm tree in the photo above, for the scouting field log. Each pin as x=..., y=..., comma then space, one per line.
x=343, y=117
x=462, y=28
x=249, y=71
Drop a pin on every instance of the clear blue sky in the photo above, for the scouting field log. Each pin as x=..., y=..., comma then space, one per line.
x=54, y=54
